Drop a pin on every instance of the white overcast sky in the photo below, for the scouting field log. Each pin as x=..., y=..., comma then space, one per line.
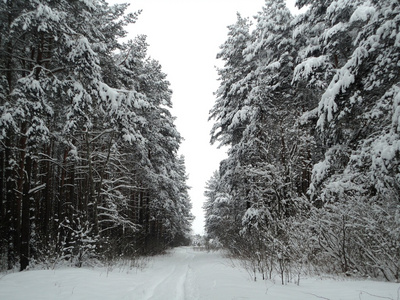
x=184, y=36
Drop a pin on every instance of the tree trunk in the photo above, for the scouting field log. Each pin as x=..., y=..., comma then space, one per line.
x=3, y=227
x=25, y=220
x=10, y=200
x=90, y=208
x=47, y=198
x=20, y=190
x=98, y=197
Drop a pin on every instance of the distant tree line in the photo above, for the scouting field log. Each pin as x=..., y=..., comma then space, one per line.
x=309, y=107
x=88, y=147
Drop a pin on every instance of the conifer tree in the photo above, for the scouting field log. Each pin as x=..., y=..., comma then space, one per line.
x=308, y=106
x=88, y=144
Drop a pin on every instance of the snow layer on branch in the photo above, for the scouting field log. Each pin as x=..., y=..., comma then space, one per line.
x=338, y=5
x=6, y=121
x=384, y=148
x=253, y=216
x=239, y=117
x=363, y=12
x=276, y=65
x=38, y=130
x=373, y=163
x=82, y=53
x=89, y=3
x=320, y=171
x=329, y=33
x=308, y=115
x=222, y=199
x=45, y=14
x=377, y=159
x=80, y=107
x=325, y=171
x=140, y=101
x=308, y=67
x=327, y=106
x=42, y=18
x=111, y=97
x=368, y=45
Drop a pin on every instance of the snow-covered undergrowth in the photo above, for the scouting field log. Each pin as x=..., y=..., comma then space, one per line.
x=186, y=274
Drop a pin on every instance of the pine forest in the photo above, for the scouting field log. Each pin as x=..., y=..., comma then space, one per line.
x=88, y=146
x=309, y=108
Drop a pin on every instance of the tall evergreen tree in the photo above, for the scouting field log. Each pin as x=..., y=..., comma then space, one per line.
x=87, y=140
x=308, y=106
x=357, y=124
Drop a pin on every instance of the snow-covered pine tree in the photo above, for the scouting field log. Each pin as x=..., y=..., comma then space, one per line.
x=76, y=152
x=356, y=184
x=181, y=218
x=162, y=144
x=229, y=114
x=26, y=43
x=221, y=216
x=263, y=172
x=266, y=142
x=233, y=90
x=335, y=101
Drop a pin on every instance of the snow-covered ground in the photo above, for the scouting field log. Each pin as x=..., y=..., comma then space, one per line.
x=182, y=274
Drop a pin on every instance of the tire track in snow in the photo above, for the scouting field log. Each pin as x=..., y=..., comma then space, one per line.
x=180, y=286
x=154, y=287
x=191, y=288
x=177, y=284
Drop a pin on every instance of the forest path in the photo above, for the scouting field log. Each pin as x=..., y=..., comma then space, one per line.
x=171, y=276
x=184, y=273
x=181, y=275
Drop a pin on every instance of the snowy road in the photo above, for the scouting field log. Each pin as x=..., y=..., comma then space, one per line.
x=189, y=274
x=183, y=274
x=173, y=276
